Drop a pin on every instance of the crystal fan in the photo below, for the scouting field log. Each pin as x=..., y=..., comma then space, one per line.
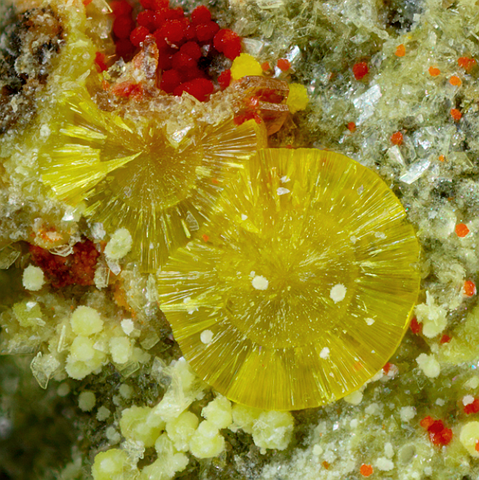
x=131, y=175
x=299, y=287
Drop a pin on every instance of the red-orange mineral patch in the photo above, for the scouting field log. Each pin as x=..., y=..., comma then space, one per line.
x=78, y=268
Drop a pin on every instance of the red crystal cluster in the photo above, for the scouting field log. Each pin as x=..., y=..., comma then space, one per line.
x=78, y=268
x=472, y=407
x=438, y=433
x=187, y=46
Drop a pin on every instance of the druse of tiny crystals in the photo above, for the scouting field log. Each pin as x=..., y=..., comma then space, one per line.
x=392, y=85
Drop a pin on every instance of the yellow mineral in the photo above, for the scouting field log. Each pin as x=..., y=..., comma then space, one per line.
x=304, y=287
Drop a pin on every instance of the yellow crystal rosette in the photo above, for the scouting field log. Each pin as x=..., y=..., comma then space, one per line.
x=299, y=287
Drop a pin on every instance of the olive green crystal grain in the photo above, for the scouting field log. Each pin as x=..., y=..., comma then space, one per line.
x=300, y=286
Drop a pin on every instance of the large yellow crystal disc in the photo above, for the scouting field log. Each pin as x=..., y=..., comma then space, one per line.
x=301, y=285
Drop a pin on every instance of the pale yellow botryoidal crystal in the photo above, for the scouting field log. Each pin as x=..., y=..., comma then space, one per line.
x=28, y=314
x=218, y=412
x=469, y=437
x=138, y=425
x=432, y=317
x=168, y=463
x=96, y=342
x=174, y=430
x=181, y=429
x=429, y=365
x=273, y=430
x=119, y=245
x=110, y=465
x=120, y=349
x=207, y=441
x=86, y=321
x=86, y=401
x=33, y=278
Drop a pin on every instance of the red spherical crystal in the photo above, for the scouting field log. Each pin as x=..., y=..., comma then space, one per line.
x=159, y=4
x=191, y=74
x=200, y=88
x=121, y=8
x=360, y=70
x=138, y=35
x=165, y=58
x=190, y=30
x=224, y=79
x=182, y=61
x=170, y=80
x=191, y=49
x=200, y=15
x=206, y=31
x=124, y=48
x=147, y=4
x=228, y=42
x=146, y=19
x=284, y=64
x=122, y=27
x=173, y=31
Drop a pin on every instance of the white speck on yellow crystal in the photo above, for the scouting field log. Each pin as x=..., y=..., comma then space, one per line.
x=206, y=336
x=86, y=401
x=86, y=321
x=338, y=292
x=282, y=191
x=324, y=353
x=469, y=437
x=369, y=321
x=119, y=245
x=260, y=283
x=33, y=278
x=429, y=365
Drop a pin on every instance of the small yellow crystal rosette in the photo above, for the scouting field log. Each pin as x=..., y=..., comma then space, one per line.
x=131, y=172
